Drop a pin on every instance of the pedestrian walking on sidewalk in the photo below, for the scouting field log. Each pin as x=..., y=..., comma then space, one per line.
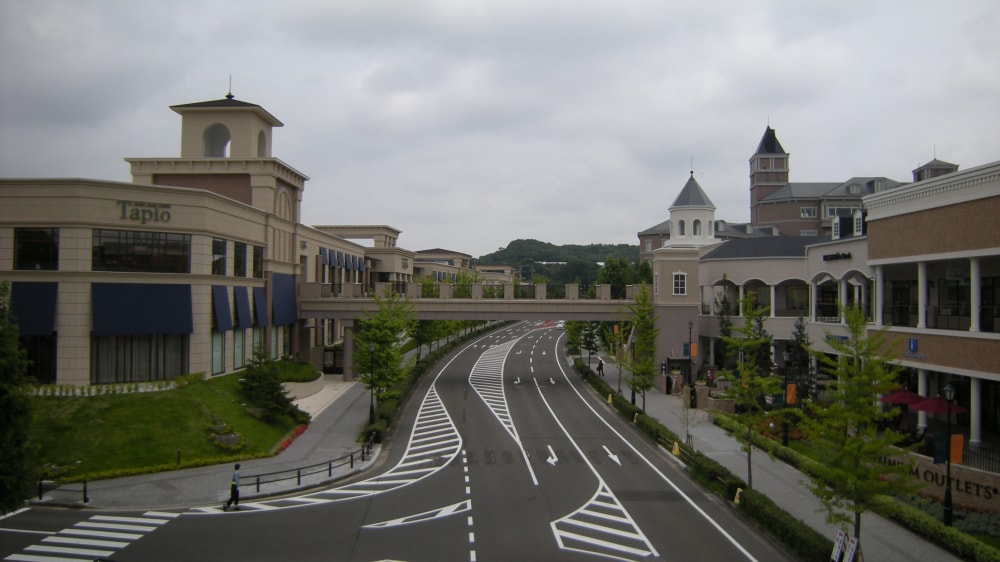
x=234, y=490
x=600, y=366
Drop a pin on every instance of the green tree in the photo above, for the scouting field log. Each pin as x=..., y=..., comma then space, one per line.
x=574, y=336
x=848, y=433
x=378, y=355
x=753, y=372
x=643, y=273
x=799, y=365
x=722, y=314
x=589, y=340
x=643, y=361
x=617, y=273
x=261, y=383
x=17, y=465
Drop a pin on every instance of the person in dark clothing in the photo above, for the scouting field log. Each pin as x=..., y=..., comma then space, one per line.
x=600, y=366
x=234, y=490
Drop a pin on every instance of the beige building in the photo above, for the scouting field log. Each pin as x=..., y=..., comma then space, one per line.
x=187, y=269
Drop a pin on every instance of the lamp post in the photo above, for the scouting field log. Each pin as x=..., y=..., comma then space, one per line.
x=949, y=395
x=784, y=418
x=690, y=355
x=371, y=382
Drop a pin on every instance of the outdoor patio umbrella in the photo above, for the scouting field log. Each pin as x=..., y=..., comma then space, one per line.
x=936, y=405
x=902, y=396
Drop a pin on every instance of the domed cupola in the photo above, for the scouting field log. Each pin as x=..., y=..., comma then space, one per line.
x=692, y=217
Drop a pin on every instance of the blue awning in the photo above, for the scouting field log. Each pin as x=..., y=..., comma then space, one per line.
x=323, y=259
x=349, y=262
x=242, y=300
x=283, y=310
x=33, y=306
x=340, y=259
x=137, y=309
x=361, y=263
x=220, y=308
x=260, y=306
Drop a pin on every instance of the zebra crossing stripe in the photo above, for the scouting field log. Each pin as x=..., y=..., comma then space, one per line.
x=85, y=542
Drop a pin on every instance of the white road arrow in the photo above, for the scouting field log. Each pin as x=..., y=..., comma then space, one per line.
x=612, y=456
x=517, y=380
x=552, y=381
x=552, y=456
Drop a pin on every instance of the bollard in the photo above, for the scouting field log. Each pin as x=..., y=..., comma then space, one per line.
x=85, y=498
x=41, y=491
x=329, y=469
x=609, y=398
x=739, y=493
x=258, y=484
x=677, y=449
x=298, y=477
x=362, y=457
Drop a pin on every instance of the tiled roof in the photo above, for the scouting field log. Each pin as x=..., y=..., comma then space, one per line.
x=692, y=195
x=769, y=143
x=767, y=247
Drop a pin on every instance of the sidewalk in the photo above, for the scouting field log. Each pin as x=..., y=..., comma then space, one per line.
x=339, y=412
x=881, y=539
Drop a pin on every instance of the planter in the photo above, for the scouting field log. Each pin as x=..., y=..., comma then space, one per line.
x=727, y=405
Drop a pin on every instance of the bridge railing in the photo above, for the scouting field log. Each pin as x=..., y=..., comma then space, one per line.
x=473, y=291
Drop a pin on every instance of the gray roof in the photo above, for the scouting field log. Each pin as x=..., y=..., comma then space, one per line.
x=229, y=102
x=768, y=247
x=662, y=228
x=830, y=190
x=692, y=195
x=769, y=143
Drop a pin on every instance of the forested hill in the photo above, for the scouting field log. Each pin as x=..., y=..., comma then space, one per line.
x=526, y=251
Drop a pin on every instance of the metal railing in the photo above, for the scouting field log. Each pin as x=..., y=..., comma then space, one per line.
x=982, y=458
x=310, y=470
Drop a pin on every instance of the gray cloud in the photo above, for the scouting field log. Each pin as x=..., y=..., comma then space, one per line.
x=469, y=124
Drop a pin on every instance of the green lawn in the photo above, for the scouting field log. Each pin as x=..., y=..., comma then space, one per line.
x=113, y=435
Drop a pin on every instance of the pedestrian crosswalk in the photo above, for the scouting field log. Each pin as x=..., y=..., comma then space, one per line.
x=93, y=538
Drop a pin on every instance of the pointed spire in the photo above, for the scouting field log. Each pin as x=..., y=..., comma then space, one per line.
x=769, y=143
x=692, y=195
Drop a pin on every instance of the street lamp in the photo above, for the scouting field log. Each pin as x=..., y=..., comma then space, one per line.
x=371, y=383
x=949, y=395
x=690, y=355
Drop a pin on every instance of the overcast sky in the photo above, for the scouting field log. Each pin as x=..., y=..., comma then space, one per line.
x=468, y=124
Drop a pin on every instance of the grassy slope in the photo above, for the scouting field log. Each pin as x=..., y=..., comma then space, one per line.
x=112, y=435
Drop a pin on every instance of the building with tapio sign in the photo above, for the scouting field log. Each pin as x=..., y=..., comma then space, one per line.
x=187, y=269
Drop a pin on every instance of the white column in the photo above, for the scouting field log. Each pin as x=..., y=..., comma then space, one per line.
x=879, y=294
x=773, y=304
x=812, y=301
x=976, y=294
x=740, y=301
x=922, y=294
x=922, y=390
x=865, y=302
x=975, y=411
x=841, y=299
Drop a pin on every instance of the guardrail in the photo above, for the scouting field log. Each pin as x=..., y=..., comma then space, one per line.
x=309, y=470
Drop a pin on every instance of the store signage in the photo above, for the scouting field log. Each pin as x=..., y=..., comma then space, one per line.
x=144, y=211
x=837, y=256
x=911, y=349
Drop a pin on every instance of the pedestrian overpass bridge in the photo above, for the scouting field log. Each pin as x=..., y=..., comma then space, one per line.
x=478, y=302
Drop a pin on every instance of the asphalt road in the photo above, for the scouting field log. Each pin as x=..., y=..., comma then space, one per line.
x=502, y=454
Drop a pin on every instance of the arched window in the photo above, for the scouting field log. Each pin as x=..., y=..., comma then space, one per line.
x=680, y=228
x=217, y=141
x=696, y=227
x=261, y=145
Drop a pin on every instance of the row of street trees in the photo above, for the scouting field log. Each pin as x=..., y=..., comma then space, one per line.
x=846, y=431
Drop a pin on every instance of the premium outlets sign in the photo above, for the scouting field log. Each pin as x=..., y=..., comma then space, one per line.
x=143, y=212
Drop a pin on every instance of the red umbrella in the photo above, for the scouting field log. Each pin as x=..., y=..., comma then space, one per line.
x=936, y=405
x=901, y=396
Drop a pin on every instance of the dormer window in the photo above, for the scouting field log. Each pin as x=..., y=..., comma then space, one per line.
x=854, y=189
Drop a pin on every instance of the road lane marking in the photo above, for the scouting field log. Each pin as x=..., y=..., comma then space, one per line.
x=732, y=540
